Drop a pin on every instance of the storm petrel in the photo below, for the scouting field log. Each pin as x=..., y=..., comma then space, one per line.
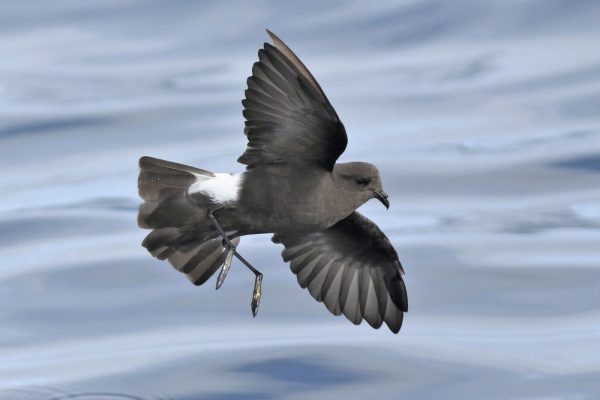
x=291, y=187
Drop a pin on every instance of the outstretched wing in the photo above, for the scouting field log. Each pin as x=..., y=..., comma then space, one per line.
x=288, y=117
x=352, y=268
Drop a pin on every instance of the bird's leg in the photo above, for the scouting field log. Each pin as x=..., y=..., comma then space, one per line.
x=231, y=251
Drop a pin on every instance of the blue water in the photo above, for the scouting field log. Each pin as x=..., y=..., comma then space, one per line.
x=483, y=117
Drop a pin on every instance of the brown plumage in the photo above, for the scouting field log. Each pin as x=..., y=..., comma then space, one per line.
x=292, y=187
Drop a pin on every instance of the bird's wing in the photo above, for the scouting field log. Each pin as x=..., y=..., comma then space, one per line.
x=352, y=268
x=288, y=117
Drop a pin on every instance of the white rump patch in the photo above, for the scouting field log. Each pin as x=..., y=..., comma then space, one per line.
x=222, y=188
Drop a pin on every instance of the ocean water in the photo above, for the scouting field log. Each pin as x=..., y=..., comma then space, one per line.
x=483, y=117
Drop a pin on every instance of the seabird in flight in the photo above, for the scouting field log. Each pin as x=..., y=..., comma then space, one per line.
x=292, y=187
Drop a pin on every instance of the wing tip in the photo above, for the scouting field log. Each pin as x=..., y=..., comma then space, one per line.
x=394, y=323
x=272, y=35
x=395, y=329
x=404, y=295
x=144, y=160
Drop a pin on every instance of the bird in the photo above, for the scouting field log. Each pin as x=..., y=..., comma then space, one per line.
x=292, y=187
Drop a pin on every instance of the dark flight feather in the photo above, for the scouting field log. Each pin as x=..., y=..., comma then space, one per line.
x=352, y=268
x=288, y=117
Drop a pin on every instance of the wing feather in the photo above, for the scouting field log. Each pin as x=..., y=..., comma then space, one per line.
x=351, y=304
x=288, y=117
x=352, y=268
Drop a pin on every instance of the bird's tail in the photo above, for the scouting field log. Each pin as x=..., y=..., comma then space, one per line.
x=181, y=231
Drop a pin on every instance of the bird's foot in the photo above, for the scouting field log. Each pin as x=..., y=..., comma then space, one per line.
x=256, y=294
x=230, y=248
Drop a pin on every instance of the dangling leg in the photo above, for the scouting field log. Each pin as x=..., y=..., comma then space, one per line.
x=227, y=244
x=231, y=251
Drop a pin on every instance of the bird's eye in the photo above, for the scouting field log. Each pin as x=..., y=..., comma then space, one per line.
x=363, y=181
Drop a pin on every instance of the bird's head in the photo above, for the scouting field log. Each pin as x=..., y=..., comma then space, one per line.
x=362, y=179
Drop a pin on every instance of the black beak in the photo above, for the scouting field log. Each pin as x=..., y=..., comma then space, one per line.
x=383, y=198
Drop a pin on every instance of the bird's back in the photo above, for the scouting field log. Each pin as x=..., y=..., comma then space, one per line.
x=279, y=198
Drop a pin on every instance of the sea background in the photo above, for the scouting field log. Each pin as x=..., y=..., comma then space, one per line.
x=484, y=120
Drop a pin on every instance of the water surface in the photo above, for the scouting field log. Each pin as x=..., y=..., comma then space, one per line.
x=482, y=117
